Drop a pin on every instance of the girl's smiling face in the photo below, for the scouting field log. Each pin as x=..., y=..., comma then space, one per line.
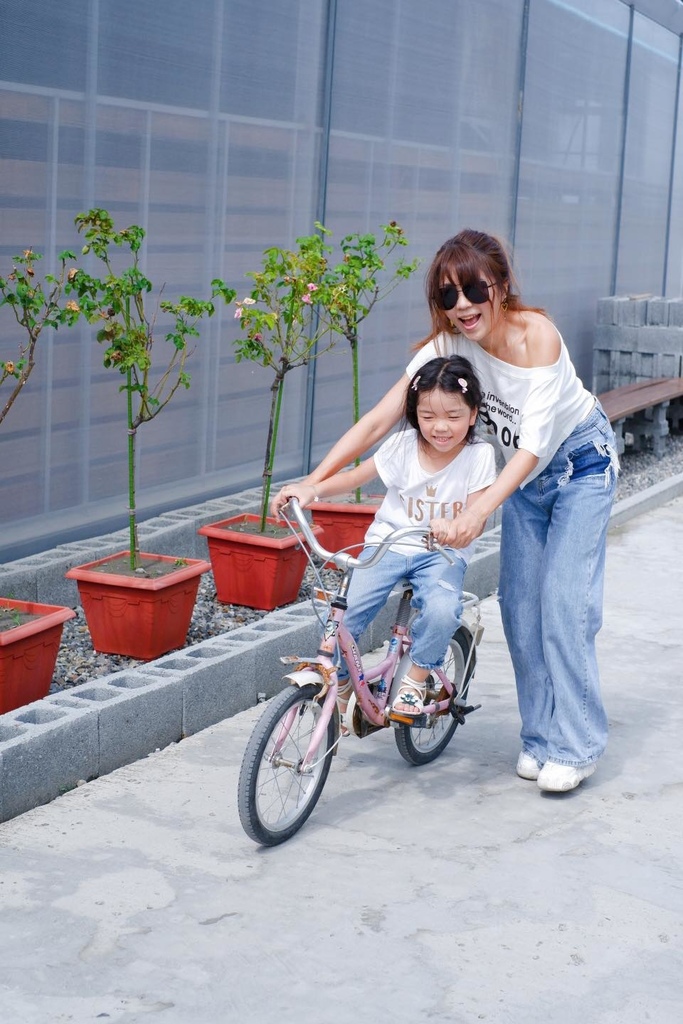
x=444, y=420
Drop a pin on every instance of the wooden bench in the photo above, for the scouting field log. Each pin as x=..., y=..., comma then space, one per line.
x=644, y=410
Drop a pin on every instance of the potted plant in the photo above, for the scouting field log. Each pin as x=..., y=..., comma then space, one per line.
x=135, y=603
x=30, y=633
x=256, y=562
x=356, y=285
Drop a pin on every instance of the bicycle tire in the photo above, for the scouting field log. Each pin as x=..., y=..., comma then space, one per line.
x=274, y=800
x=421, y=745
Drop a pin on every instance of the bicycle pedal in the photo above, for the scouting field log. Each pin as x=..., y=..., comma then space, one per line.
x=416, y=721
x=458, y=711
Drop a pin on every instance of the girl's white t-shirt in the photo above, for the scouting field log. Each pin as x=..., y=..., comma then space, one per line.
x=415, y=496
x=534, y=408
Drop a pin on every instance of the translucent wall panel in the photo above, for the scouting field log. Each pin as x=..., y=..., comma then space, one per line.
x=647, y=168
x=207, y=124
x=424, y=105
x=570, y=162
x=176, y=117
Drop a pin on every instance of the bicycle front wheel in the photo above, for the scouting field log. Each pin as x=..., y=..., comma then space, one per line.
x=274, y=796
x=422, y=745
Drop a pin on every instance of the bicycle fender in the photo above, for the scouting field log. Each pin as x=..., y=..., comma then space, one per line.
x=304, y=677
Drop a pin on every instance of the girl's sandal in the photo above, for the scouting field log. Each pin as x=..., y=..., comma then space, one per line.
x=409, y=700
x=343, y=697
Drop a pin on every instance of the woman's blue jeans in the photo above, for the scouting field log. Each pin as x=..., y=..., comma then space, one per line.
x=552, y=567
x=437, y=594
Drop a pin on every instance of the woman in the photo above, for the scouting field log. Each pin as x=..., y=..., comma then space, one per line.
x=558, y=485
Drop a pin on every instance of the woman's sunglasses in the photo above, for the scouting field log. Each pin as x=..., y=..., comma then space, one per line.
x=477, y=293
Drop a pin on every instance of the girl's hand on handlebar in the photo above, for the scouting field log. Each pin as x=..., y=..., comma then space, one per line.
x=305, y=493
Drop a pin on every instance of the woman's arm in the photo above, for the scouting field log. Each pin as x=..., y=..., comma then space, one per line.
x=466, y=527
x=340, y=483
x=370, y=429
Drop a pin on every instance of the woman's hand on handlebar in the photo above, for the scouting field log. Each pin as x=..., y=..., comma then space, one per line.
x=458, y=532
x=305, y=493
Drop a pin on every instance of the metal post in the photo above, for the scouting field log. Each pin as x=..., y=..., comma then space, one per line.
x=622, y=167
x=667, y=234
x=321, y=212
x=523, y=51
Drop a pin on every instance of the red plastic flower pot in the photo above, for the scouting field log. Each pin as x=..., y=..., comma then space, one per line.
x=251, y=568
x=344, y=524
x=139, y=616
x=28, y=651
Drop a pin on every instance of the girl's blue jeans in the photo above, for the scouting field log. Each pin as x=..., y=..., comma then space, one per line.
x=552, y=567
x=437, y=595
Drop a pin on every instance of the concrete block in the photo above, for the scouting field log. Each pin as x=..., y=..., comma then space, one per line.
x=19, y=580
x=166, y=536
x=634, y=313
x=483, y=570
x=52, y=587
x=136, y=714
x=45, y=749
x=658, y=339
x=621, y=310
x=271, y=639
x=606, y=311
x=604, y=336
x=225, y=684
x=675, y=312
x=657, y=312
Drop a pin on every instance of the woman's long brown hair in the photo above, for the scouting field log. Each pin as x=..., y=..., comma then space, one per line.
x=470, y=256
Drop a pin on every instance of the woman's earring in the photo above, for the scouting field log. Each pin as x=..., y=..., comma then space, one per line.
x=504, y=305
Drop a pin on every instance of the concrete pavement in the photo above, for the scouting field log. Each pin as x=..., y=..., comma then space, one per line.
x=452, y=893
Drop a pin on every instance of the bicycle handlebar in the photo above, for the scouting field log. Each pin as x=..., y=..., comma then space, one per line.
x=346, y=561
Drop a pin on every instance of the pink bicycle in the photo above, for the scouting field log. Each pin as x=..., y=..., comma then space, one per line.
x=289, y=754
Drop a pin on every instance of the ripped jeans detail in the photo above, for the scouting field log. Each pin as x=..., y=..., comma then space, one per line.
x=595, y=458
x=437, y=596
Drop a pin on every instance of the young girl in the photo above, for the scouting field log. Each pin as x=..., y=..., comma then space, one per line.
x=432, y=469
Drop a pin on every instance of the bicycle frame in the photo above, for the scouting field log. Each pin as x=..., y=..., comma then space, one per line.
x=322, y=670
x=373, y=705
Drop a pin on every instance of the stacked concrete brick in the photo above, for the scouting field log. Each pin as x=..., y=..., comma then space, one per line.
x=637, y=338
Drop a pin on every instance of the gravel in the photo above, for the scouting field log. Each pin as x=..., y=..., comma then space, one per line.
x=78, y=663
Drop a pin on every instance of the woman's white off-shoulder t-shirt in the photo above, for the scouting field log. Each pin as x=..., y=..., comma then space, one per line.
x=534, y=408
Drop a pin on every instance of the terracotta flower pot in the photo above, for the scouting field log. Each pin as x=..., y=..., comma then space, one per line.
x=344, y=523
x=139, y=616
x=28, y=651
x=254, y=569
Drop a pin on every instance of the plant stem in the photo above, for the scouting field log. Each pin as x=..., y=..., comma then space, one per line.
x=277, y=388
x=353, y=342
x=132, y=430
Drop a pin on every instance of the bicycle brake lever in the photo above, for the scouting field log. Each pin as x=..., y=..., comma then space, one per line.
x=432, y=544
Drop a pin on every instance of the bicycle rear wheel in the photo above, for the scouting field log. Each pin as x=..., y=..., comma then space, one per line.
x=274, y=798
x=422, y=745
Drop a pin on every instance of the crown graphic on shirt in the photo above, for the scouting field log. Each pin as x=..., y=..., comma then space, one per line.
x=431, y=492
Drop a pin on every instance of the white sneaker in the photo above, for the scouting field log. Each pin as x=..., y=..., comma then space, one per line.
x=528, y=767
x=559, y=778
